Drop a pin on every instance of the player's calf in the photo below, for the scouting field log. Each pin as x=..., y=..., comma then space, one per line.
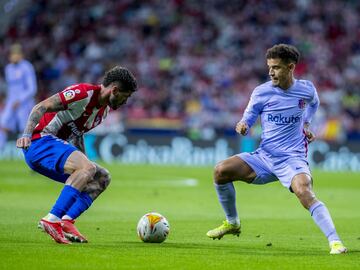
x=99, y=183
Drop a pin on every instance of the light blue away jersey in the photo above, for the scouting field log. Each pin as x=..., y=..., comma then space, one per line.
x=21, y=81
x=283, y=113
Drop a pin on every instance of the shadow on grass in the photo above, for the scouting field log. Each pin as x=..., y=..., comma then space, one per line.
x=206, y=248
x=195, y=248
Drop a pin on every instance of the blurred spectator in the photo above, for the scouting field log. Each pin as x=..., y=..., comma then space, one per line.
x=20, y=94
x=351, y=105
x=198, y=61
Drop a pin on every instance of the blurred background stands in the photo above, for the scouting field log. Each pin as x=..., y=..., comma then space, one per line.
x=196, y=62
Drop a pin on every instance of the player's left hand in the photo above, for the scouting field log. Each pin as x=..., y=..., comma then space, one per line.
x=23, y=142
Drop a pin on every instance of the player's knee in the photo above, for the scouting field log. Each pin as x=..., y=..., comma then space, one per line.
x=220, y=174
x=305, y=196
x=105, y=178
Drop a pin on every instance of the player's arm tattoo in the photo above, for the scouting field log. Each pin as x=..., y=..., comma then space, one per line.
x=36, y=113
x=52, y=104
x=78, y=142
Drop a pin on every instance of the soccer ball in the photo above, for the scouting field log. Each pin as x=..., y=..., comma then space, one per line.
x=153, y=228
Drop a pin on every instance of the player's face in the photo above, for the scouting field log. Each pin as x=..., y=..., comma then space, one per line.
x=15, y=57
x=280, y=73
x=118, y=98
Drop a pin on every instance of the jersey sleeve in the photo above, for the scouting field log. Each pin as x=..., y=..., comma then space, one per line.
x=312, y=108
x=253, y=109
x=73, y=93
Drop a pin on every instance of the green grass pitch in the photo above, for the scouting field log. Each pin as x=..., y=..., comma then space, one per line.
x=277, y=233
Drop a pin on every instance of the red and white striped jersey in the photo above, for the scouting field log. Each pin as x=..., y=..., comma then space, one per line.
x=82, y=113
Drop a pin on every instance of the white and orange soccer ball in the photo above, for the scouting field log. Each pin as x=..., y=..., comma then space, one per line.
x=153, y=228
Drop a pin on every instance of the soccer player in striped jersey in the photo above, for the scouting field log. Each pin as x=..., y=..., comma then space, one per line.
x=286, y=106
x=53, y=145
x=21, y=90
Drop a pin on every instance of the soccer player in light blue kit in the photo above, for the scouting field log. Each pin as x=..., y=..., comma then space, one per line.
x=21, y=90
x=286, y=106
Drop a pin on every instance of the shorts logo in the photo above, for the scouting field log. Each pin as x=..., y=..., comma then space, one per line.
x=69, y=94
x=301, y=104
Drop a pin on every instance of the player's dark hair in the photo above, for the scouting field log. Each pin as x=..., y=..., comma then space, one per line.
x=287, y=53
x=122, y=76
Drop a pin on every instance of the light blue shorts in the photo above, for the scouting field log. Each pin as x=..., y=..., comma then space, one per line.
x=269, y=169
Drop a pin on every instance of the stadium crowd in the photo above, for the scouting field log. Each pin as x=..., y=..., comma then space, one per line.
x=196, y=61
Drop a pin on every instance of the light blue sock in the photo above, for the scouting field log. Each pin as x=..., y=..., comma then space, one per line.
x=3, y=138
x=82, y=203
x=322, y=218
x=66, y=199
x=227, y=198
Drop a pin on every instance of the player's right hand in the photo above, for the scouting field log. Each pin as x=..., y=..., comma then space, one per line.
x=242, y=128
x=23, y=142
x=310, y=136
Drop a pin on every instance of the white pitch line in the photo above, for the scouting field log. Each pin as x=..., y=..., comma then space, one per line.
x=188, y=182
x=183, y=182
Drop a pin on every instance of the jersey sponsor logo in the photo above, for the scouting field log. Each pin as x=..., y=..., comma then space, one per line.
x=74, y=129
x=69, y=94
x=279, y=119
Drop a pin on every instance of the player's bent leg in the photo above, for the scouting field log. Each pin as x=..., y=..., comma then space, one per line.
x=90, y=192
x=81, y=170
x=302, y=187
x=233, y=168
x=99, y=183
